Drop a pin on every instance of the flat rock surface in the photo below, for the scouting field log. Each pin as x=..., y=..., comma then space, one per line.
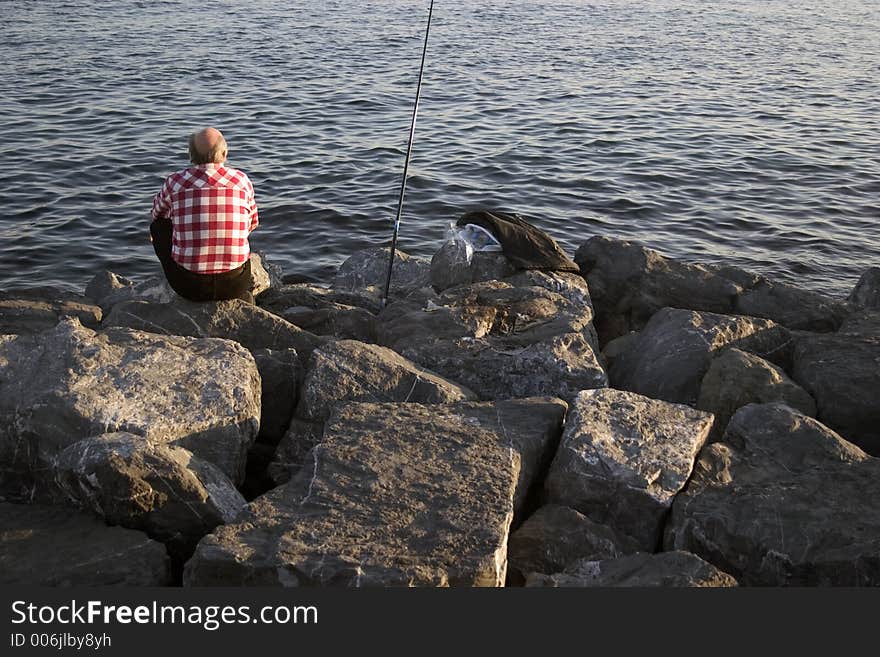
x=34, y=315
x=782, y=501
x=247, y=324
x=54, y=546
x=675, y=349
x=347, y=370
x=669, y=569
x=71, y=383
x=555, y=536
x=623, y=458
x=396, y=494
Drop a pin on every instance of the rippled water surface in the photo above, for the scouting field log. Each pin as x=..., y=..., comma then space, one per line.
x=741, y=131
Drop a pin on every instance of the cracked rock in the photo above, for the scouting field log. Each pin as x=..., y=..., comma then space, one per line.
x=623, y=459
x=159, y=489
x=783, y=500
x=669, y=569
x=395, y=494
x=71, y=383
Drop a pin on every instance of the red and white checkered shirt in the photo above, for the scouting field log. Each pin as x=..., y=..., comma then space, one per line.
x=213, y=210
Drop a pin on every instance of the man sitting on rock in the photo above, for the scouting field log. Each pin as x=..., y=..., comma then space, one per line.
x=201, y=220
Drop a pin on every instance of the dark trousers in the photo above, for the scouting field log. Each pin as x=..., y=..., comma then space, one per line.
x=234, y=284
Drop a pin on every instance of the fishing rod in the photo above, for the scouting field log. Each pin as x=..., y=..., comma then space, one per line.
x=412, y=132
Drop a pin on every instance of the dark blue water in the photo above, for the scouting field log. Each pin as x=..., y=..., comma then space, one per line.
x=738, y=131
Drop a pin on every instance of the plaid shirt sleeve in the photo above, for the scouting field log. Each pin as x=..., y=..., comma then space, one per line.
x=162, y=203
x=252, y=205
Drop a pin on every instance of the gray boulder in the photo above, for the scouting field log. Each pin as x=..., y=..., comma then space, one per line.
x=791, y=306
x=500, y=340
x=629, y=283
x=366, y=271
x=623, y=459
x=842, y=373
x=782, y=501
x=666, y=569
x=555, y=536
x=71, y=383
x=737, y=378
x=396, y=494
x=31, y=310
x=157, y=488
x=450, y=266
x=237, y=320
x=54, y=546
x=676, y=347
x=347, y=370
x=108, y=289
x=866, y=293
x=265, y=274
x=862, y=325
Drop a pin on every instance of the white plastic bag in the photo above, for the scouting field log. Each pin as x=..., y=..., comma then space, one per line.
x=469, y=239
x=480, y=239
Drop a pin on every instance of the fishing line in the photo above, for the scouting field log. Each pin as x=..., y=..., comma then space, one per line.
x=412, y=132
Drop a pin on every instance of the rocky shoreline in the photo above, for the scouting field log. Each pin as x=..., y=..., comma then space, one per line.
x=647, y=422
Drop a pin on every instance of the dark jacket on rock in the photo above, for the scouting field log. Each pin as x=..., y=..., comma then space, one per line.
x=524, y=246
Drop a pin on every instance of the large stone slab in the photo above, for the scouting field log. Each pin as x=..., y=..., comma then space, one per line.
x=71, y=383
x=555, y=536
x=782, y=501
x=623, y=459
x=667, y=569
x=842, y=372
x=396, y=494
x=500, y=340
x=237, y=320
x=347, y=370
x=675, y=349
x=137, y=483
x=737, y=378
x=55, y=546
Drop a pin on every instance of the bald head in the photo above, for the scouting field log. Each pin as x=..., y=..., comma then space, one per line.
x=207, y=146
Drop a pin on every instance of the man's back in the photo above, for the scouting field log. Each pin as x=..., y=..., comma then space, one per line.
x=213, y=210
x=200, y=224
